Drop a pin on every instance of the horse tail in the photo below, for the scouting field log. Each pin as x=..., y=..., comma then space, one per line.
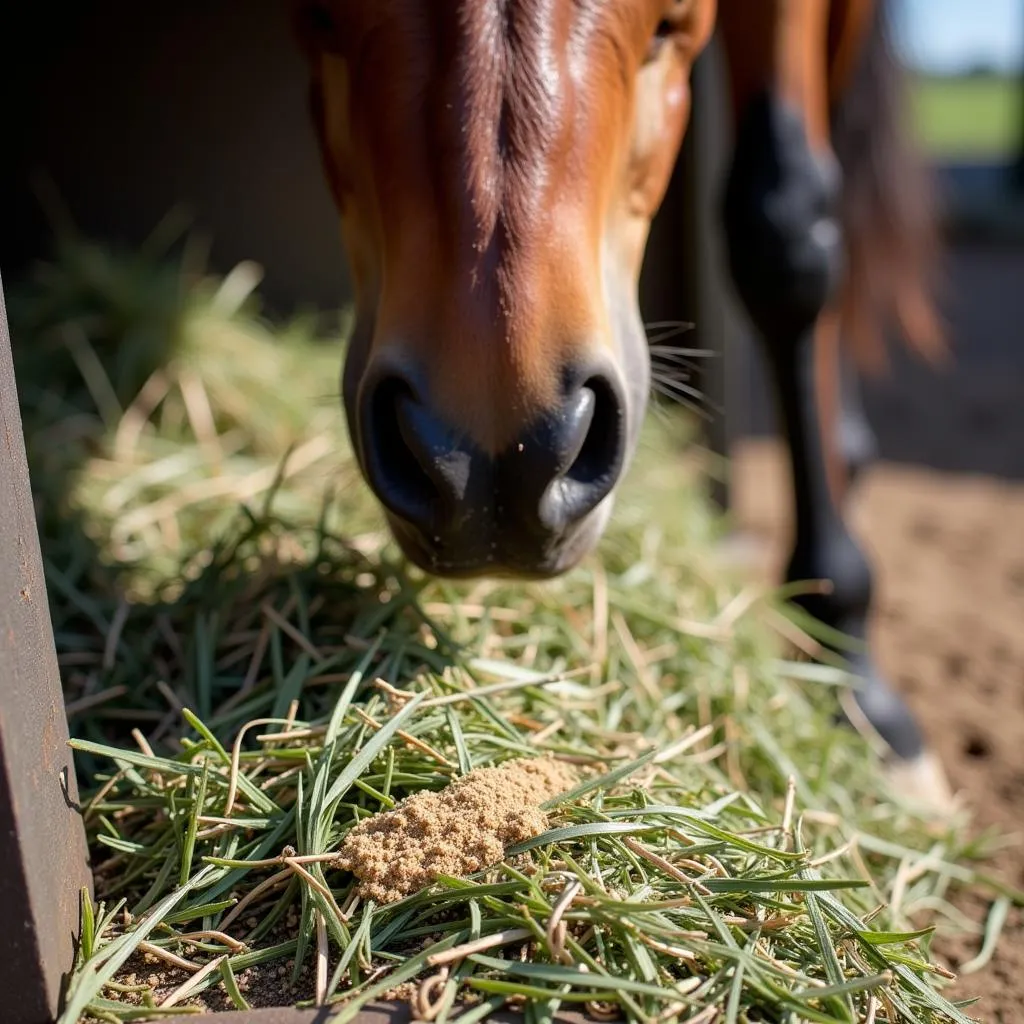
x=888, y=211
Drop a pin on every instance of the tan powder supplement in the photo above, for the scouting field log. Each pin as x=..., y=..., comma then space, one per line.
x=461, y=829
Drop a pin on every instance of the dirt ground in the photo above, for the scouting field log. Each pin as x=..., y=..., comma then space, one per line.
x=949, y=631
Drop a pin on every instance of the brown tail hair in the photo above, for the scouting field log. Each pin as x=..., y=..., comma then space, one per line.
x=888, y=208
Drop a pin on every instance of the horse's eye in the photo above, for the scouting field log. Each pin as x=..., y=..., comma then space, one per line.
x=674, y=17
x=662, y=34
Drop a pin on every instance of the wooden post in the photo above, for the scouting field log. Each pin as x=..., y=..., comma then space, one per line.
x=43, y=856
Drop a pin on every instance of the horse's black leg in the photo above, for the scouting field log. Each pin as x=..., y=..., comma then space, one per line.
x=858, y=445
x=786, y=258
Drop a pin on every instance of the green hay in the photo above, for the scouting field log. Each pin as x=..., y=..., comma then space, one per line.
x=215, y=567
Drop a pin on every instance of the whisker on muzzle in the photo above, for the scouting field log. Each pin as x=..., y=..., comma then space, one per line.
x=688, y=397
x=660, y=331
x=673, y=366
x=673, y=353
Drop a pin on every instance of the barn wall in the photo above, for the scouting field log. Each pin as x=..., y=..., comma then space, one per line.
x=134, y=107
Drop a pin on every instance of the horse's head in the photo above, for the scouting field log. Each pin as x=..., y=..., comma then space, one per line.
x=496, y=165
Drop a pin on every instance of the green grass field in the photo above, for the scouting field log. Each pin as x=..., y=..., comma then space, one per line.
x=968, y=119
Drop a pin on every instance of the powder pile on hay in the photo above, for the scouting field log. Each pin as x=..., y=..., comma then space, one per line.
x=461, y=829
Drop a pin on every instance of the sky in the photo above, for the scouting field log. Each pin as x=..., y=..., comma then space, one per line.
x=946, y=36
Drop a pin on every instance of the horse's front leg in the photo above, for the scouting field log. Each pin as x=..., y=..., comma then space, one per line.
x=786, y=256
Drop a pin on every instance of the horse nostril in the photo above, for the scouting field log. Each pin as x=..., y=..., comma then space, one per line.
x=600, y=455
x=594, y=439
x=396, y=465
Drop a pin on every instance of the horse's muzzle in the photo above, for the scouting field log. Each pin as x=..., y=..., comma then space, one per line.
x=532, y=509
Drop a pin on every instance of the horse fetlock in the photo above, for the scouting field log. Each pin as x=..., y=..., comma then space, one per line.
x=845, y=599
x=883, y=711
x=781, y=216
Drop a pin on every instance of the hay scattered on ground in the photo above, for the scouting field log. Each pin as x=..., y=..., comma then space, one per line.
x=231, y=644
x=463, y=829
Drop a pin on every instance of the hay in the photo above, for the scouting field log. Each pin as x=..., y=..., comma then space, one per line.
x=256, y=679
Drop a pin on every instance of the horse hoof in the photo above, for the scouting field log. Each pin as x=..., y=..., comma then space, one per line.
x=921, y=783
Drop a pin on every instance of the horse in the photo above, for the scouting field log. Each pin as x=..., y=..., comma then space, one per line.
x=496, y=165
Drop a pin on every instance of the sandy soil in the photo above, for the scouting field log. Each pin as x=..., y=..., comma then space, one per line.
x=949, y=630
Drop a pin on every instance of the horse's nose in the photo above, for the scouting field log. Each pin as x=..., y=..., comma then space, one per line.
x=569, y=460
x=438, y=480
